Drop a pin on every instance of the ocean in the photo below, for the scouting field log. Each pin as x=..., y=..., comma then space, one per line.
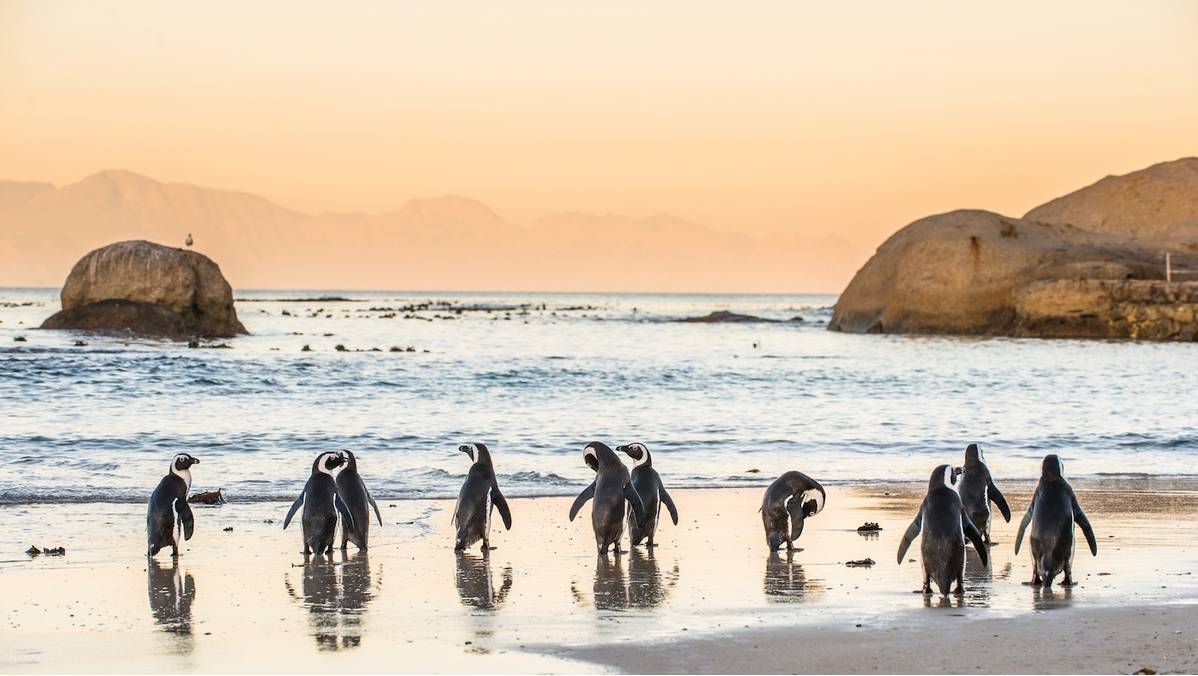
x=536, y=376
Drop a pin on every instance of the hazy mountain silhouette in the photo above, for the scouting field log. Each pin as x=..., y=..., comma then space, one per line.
x=444, y=243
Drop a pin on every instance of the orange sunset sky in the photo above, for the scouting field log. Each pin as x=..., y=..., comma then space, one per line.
x=836, y=123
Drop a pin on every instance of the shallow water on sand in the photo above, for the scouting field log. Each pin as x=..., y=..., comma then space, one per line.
x=246, y=600
x=536, y=376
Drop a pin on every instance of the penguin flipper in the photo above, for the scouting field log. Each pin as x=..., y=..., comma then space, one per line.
x=185, y=517
x=294, y=508
x=375, y=505
x=975, y=537
x=500, y=503
x=634, y=500
x=346, y=517
x=1001, y=502
x=586, y=494
x=1080, y=517
x=1027, y=518
x=909, y=536
x=669, y=503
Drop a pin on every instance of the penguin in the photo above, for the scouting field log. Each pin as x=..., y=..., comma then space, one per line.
x=977, y=491
x=648, y=486
x=1053, y=511
x=168, y=500
x=789, y=501
x=945, y=526
x=480, y=492
x=611, y=488
x=355, y=504
x=320, y=499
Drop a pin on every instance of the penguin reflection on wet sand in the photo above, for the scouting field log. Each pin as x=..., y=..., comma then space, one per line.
x=977, y=491
x=475, y=583
x=480, y=492
x=356, y=502
x=648, y=587
x=169, y=515
x=336, y=596
x=788, y=502
x=611, y=488
x=785, y=580
x=1052, y=513
x=320, y=501
x=945, y=526
x=171, y=593
x=648, y=486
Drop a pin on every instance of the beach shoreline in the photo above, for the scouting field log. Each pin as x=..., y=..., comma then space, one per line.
x=244, y=599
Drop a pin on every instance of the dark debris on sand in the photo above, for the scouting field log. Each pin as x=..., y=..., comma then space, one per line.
x=46, y=551
x=216, y=497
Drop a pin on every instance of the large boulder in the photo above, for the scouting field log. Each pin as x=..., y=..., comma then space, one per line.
x=147, y=289
x=980, y=273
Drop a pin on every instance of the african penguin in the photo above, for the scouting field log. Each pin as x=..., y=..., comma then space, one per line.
x=480, y=492
x=945, y=526
x=611, y=488
x=320, y=499
x=648, y=486
x=977, y=491
x=1053, y=511
x=789, y=501
x=355, y=504
x=168, y=500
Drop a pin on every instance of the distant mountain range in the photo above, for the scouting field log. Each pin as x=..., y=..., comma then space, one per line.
x=444, y=243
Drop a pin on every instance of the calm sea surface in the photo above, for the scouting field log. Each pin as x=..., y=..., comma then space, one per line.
x=536, y=376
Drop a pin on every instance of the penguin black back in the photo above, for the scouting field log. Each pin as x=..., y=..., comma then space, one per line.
x=647, y=484
x=945, y=527
x=168, y=512
x=788, y=502
x=319, y=499
x=1052, y=514
x=355, y=504
x=977, y=491
x=611, y=488
x=479, y=494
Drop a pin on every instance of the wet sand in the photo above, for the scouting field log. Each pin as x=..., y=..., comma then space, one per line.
x=709, y=598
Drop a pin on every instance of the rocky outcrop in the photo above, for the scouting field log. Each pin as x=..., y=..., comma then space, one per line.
x=147, y=289
x=980, y=273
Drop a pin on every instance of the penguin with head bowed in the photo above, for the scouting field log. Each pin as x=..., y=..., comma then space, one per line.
x=320, y=501
x=1053, y=512
x=977, y=491
x=945, y=526
x=355, y=504
x=611, y=488
x=480, y=492
x=169, y=514
x=648, y=486
x=788, y=503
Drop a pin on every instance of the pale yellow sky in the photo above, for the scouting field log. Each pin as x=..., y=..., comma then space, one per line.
x=824, y=118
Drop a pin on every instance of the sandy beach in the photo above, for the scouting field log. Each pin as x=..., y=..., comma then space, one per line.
x=708, y=599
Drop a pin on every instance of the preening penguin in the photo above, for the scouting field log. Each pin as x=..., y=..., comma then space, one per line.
x=611, y=488
x=320, y=501
x=647, y=484
x=945, y=525
x=168, y=500
x=1052, y=513
x=355, y=504
x=480, y=492
x=977, y=491
x=787, y=504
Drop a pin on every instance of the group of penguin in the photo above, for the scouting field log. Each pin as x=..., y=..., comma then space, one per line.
x=955, y=509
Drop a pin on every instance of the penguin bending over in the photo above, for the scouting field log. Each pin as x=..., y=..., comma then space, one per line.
x=611, y=488
x=168, y=500
x=355, y=504
x=945, y=526
x=480, y=492
x=320, y=501
x=977, y=491
x=652, y=493
x=788, y=502
x=1053, y=511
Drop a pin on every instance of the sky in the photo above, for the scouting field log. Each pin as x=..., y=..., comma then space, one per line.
x=848, y=119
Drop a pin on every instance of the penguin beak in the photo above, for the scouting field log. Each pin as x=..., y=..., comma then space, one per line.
x=463, y=449
x=622, y=449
